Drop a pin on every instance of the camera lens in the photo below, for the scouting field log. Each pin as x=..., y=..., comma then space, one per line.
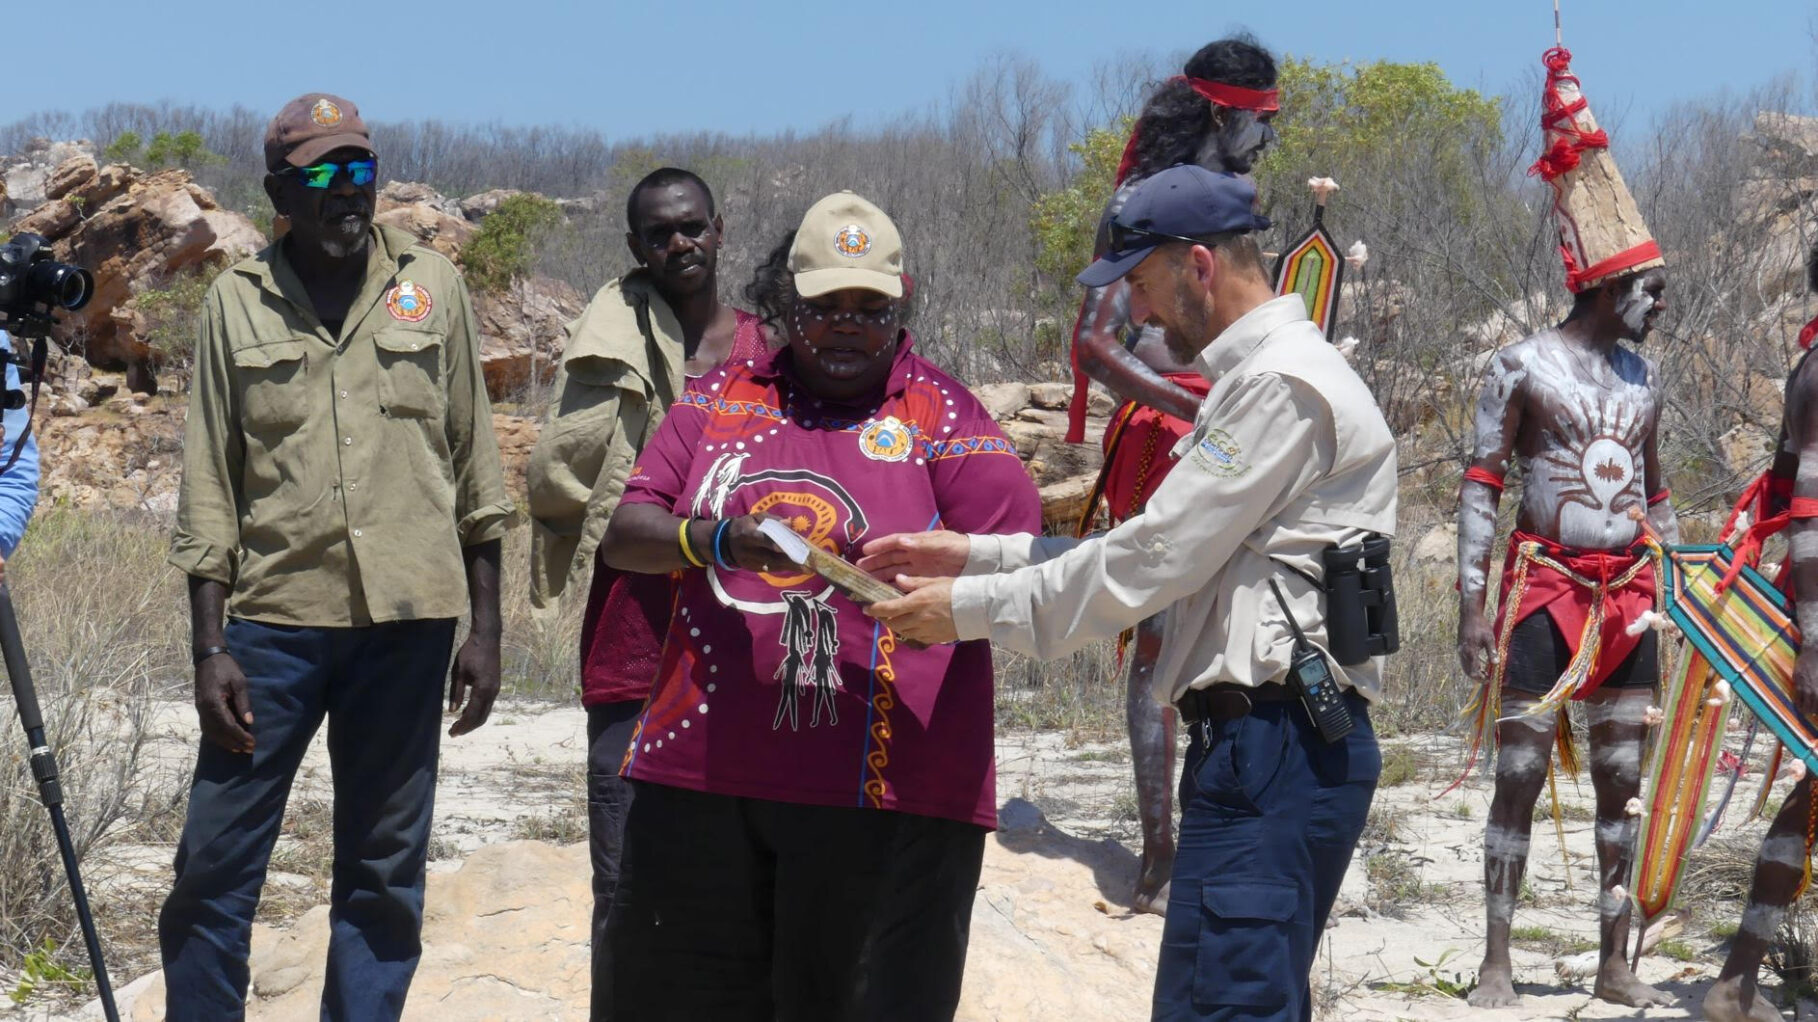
x=60, y=284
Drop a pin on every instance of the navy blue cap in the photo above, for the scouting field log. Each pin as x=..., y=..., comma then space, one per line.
x=1179, y=203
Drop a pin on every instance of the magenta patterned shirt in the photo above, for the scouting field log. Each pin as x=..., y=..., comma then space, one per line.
x=774, y=685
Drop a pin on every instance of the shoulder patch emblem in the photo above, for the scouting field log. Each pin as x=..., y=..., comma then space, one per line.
x=408, y=302
x=886, y=439
x=1218, y=454
x=852, y=241
x=325, y=114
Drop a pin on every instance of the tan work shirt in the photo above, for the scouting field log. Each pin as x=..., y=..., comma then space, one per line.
x=621, y=370
x=335, y=482
x=1288, y=454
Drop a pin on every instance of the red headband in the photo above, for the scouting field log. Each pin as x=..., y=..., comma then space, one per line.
x=1259, y=101
x=1236, y=97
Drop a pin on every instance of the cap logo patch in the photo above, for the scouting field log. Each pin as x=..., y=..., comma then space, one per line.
x=408, y=302
x=886, y=439
x=325, y=114
x=852, y=241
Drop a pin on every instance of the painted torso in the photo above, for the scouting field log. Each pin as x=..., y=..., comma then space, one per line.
x=1581, y=444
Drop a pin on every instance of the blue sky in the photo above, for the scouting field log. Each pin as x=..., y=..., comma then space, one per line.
x=657, y=66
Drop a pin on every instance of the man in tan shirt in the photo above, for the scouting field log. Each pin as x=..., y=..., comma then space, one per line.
x=341, y=490
x=1289, y=457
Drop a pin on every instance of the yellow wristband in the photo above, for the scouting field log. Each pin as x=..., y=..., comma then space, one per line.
x=688, y=553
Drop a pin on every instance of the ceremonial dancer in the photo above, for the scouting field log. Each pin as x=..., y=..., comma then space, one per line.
x=1579, y=413
x=1216, y=114
x=1780, y=867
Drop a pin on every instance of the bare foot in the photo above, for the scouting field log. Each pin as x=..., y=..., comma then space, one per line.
x=1152, y=890
x=1618, y=985
x=1724, y=1004
x=1495, y=986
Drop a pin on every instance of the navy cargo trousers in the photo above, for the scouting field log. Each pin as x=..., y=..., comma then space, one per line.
x=380, y=689
x=1270, y=815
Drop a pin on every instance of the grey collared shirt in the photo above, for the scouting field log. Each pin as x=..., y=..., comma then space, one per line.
x=1289, y=454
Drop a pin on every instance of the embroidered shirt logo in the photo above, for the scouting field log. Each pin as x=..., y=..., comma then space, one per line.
x=408, y=302
x=885, y=439
x=1218, y=454
x=325, y=114
x=852, y=241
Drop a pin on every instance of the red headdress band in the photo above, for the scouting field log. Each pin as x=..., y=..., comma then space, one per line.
x=1236, y=97
x=1808, y=332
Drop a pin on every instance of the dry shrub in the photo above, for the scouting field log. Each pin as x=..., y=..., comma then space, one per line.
x=103, y=626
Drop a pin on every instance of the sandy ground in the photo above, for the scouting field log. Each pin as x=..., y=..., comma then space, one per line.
x=1060, y=871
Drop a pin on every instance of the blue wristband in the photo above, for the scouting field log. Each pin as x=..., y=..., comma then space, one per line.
x=719, y=555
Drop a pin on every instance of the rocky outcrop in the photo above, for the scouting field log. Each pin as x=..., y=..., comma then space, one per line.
x=426, y=213
x=25, y=176
x=136, y=233
x=521, y=332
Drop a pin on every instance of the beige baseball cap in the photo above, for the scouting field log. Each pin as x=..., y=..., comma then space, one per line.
x=845, y=241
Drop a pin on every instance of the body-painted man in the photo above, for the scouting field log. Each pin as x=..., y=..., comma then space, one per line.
x=1781, y=864
x=1215, y=114
x=1580, y=414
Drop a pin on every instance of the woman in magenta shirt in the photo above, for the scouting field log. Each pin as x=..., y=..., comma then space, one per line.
x=812, y=797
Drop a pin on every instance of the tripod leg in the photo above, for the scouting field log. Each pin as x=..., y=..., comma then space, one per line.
x=50, y=789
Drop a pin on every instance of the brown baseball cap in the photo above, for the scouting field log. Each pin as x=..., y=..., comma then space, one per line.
x=312, y=126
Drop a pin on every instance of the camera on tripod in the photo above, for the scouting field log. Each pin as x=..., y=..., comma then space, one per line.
x=33, y=286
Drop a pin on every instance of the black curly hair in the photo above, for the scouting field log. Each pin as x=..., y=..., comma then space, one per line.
x=1175, y=121
x=772, y=288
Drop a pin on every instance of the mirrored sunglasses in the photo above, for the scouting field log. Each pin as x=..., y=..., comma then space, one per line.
x=322, y=175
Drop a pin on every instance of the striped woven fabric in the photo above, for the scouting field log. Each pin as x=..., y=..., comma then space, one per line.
x=1746, y=631
x=1742, y=641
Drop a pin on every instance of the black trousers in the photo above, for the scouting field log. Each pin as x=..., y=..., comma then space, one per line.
x=748, y=910
x=609, y=730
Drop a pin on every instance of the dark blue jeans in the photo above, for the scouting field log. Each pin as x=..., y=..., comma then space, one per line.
x=1271, y=813
x=380, y=688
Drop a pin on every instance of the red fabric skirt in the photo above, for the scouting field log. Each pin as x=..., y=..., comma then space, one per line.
x=622, y=634
x=1569, y=603
x=1139, y=455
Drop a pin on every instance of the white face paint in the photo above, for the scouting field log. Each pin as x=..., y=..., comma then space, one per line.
x=1633, y=308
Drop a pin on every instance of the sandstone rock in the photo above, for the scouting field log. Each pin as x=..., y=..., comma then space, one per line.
x=1051, y=395
x=1746, y=449
x=478, y=207
x=26, y=174
x=1002, y=400
x=1100, y=403
x=521, y=332
x=446, y=234
x=1438, y=546
x=74, y=173
x=412, y=193
x=52, y=219
x=134, y=234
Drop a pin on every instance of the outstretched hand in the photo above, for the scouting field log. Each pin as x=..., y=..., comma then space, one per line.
x=924, y=615
x=920, y=554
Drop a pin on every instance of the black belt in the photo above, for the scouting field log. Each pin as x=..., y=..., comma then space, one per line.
x=1227, y=701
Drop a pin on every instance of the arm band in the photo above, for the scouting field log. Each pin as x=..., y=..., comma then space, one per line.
x=1660, y=498
x=688, y=553
x=1805, y=507
x=1484, y=476
x=208, y=651
x=719, y=549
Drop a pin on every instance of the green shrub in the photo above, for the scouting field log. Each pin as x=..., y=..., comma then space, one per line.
x=505, y=247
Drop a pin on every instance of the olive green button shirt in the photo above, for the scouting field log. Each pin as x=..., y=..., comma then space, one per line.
x=334, y=483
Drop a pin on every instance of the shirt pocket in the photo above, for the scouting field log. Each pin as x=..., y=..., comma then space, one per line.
x=274, y=396
x=410, y=374
x=1246, y=933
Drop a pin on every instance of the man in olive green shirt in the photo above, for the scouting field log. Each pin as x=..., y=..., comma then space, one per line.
x=341, y=489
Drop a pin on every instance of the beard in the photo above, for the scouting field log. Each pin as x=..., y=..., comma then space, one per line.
x=1187, y=326
x=1634, y=309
